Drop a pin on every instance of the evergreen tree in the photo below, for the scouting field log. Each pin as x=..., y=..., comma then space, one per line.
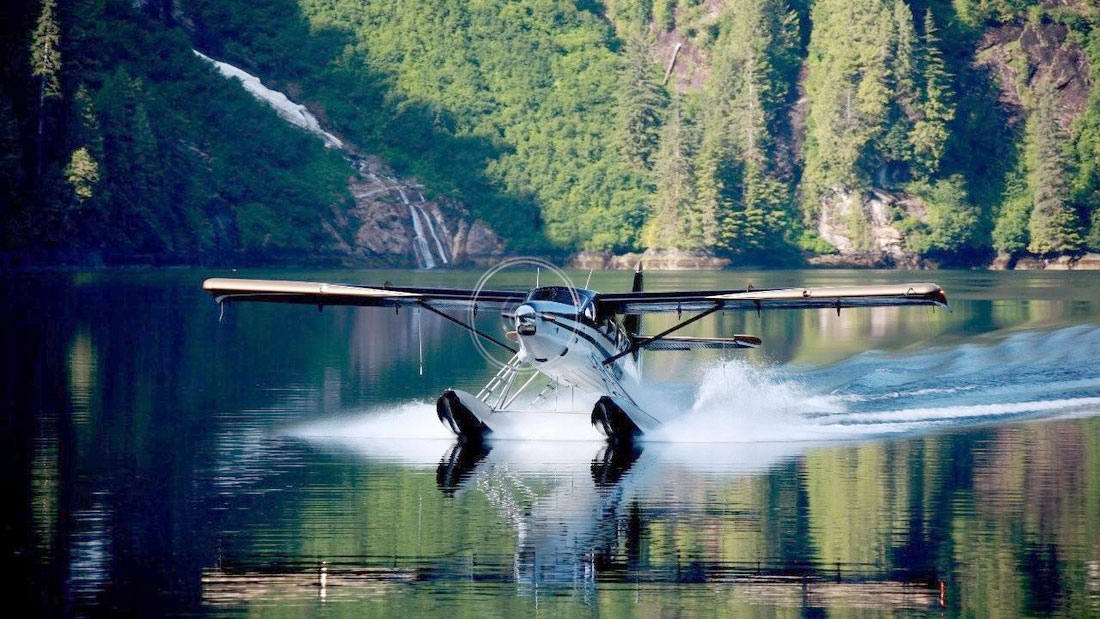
x=894, y=146
x=46, y=67
x=641, y=101
x=740, y=197
x=848, y=91
x=1086, y=182
x=877, y=100
x=710, y=162
x=46, y=51
x=148, y=183
x=1010, y=225
x=1053, y=226
x=904, y=65
x=714, y=164
x=629, y=16
x=82, y=173
x=1092, y=239
x=87, y=131
x=930, y=133
x=665, y=230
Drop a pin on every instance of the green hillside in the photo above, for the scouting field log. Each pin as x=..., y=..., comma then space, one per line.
x=975, y=124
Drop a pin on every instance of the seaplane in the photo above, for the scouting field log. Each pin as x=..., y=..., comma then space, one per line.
x=576, y=338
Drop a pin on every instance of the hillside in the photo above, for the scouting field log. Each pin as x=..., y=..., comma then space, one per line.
x=879, y=132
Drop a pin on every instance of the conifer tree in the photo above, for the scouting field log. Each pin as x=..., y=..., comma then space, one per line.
x=894, y=145
x=665, y=230
x=87, y=127
x=46, y=51
x=715, y=164
x=46, y=67
x=629, y=15
x=904, y=65
x=1092, y=239
x=1053, y=227
x=1010, y=226
x=736, y=168
x=147, y=179
x=710, y=163
x=664, y=14
x=82, y=173
x=929, y=134
x=848, y=91
x=641, y=100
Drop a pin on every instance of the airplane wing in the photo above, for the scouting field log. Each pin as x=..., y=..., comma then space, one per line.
x=780, y=298
x=227, y=290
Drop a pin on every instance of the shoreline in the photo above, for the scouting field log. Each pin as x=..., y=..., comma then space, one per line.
x=701, y=261
x=15, y=262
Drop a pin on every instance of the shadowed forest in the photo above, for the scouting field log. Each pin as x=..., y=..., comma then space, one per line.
x=762, y=131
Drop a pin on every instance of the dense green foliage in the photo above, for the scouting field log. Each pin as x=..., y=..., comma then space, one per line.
x=148, y=152
x=508, y=106
x=1053, y=225
x=756, y=62
x=878, y=98
x=552, y=121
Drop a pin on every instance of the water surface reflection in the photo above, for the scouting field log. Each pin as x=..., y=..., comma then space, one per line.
x=158, y=464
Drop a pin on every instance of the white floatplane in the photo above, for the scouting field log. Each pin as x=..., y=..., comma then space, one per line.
x=576, y=338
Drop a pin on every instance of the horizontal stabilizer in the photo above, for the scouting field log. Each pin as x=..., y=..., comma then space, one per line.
x=671, y=342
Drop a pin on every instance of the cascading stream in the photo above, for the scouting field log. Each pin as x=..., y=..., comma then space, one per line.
x=431, y=229
x=300, y=116
x=423, y=250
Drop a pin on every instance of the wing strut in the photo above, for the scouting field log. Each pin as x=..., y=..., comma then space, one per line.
x=470, y=328
x=635, y=345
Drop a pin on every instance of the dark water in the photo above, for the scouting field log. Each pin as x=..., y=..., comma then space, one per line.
x=285, y=462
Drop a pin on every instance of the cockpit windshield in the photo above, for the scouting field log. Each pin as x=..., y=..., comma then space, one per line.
x=561, y=294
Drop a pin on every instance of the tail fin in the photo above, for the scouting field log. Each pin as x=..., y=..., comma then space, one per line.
x=633, y=322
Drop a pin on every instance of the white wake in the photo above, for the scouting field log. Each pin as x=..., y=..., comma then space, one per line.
x=1024, y=376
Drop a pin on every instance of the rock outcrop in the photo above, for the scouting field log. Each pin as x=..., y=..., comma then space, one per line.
x=1087, y=262
x=1020, y=57
x=861, y=228
x=384, y=231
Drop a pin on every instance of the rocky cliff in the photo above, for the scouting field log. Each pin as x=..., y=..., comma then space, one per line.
x=1020, y=57
x=396, y=222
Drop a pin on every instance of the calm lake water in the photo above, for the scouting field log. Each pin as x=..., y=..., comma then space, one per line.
x=284, y=462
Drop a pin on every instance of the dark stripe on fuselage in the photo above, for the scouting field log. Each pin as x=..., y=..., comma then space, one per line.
x=561, y=320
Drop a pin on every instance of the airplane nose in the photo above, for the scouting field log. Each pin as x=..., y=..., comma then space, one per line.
x=525, y=320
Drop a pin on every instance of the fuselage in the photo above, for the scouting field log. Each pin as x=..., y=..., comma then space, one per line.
x=561, y=335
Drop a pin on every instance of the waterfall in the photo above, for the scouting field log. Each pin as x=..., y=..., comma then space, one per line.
x=431, y=229
x=423, y=250
x=300, y=116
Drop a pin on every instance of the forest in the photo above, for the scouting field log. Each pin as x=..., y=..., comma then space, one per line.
x=940, y=132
